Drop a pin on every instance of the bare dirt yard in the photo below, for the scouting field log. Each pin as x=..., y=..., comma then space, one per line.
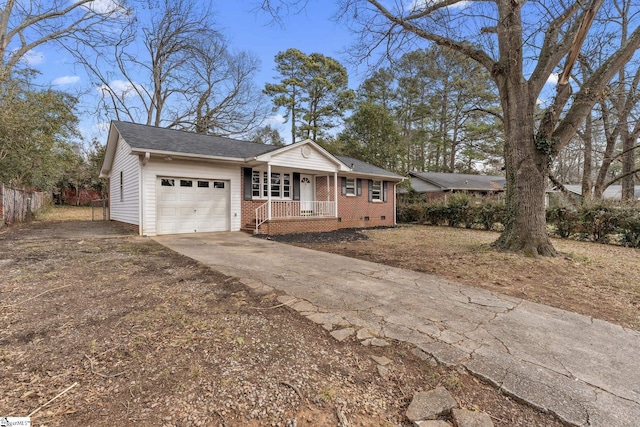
x=601, y=281
x=125, y=332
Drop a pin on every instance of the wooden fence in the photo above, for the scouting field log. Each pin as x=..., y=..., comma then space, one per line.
x=20, y=205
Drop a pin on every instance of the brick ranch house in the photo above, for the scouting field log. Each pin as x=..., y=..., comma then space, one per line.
x=168, y=181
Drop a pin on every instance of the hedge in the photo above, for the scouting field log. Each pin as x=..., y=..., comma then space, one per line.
x=614, y=223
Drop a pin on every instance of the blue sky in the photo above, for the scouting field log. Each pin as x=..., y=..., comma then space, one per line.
x=311, y=30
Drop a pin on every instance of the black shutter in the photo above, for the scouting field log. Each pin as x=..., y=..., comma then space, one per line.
x=370, y=190
x=248, y=177
x=358, y=187
x=296, y=186
x=384, y=191
x=344, y=185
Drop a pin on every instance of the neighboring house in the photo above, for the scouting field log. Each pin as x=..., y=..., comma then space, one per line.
x=168, y=181
x=612, y=192
x=438, y=185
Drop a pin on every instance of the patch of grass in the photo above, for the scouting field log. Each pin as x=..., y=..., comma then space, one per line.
x=66, y=213
x=588, y=278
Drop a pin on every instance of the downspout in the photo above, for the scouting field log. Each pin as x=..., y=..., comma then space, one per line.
x=141, y=200
x=395, y=207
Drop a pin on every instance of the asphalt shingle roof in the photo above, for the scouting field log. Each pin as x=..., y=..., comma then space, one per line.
x=365, y=168
x=151, y=138
x=460, y=181
x=143, y=137
x=611, y=192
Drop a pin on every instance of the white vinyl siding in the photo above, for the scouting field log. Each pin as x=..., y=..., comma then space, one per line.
x=159, y=168
x=124, y=196
x=294, y=159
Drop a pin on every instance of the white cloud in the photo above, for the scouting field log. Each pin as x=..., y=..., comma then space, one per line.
x=120, y=88
x=553, y=79
x=105, y=6
x=65, y=80
x=32, y=58
x=419, y=4
x=275, y=119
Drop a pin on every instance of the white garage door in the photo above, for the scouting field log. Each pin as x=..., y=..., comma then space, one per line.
x=188, y=205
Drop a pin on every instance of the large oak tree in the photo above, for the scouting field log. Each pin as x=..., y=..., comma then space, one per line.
x=521, y=44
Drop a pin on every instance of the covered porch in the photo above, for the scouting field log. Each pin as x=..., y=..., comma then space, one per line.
x=312, y=197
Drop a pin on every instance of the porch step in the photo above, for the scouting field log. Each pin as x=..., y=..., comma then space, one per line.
x=248, y=228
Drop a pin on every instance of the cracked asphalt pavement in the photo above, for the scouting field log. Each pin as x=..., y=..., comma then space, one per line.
x=585, y=371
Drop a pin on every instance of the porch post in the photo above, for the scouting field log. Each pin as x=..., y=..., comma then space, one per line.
x=269, y=191
x=335, y=192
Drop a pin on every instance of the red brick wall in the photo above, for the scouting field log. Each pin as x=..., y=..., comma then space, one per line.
x=299, y=225
x=354, y=210
x=323, y=190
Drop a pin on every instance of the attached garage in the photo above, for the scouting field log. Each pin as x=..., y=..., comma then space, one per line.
x=189, y=205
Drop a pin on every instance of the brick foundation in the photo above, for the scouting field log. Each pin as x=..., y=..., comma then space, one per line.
x=299, y=225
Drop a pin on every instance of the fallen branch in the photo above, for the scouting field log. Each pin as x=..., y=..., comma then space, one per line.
x=342, y=418
x=57, y=396
x=40, y=294
x=224, y=422
x=98, y=373
x=275, y=306
x=294, y=388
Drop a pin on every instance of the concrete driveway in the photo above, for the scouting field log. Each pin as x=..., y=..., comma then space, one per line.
x=584, y=370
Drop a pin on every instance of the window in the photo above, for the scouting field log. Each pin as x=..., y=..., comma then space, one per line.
x=255, y=183
x=376, y=190
x=350, y=186
x=186, y=183
x=281, y=185
x=165, y=182
x=218, y=184
x=121, y=186
x=286, y=185
x=203, y=184
x=275, y=184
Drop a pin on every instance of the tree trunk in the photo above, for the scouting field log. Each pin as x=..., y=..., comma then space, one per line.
x=628, y=166
x=587, y=169
x=527, y=169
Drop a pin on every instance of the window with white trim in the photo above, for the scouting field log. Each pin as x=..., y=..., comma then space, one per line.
x=280, y=185
x=376, y=190
x=275, y=185
x=350, y=186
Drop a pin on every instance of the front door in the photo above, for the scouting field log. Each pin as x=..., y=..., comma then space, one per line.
x=306, y=195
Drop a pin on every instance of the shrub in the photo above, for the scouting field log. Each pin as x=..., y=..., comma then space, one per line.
x=629, y=229
x=411, y=212
x=436, y=213
x=565, y=220
x=599, y=222
x=488, y=214
x=457, y=210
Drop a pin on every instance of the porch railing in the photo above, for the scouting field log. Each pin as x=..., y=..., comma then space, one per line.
x=294, y=209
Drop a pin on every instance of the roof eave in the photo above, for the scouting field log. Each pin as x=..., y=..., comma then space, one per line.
x=375, y=175
x=189, y=156
x=112, y=142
